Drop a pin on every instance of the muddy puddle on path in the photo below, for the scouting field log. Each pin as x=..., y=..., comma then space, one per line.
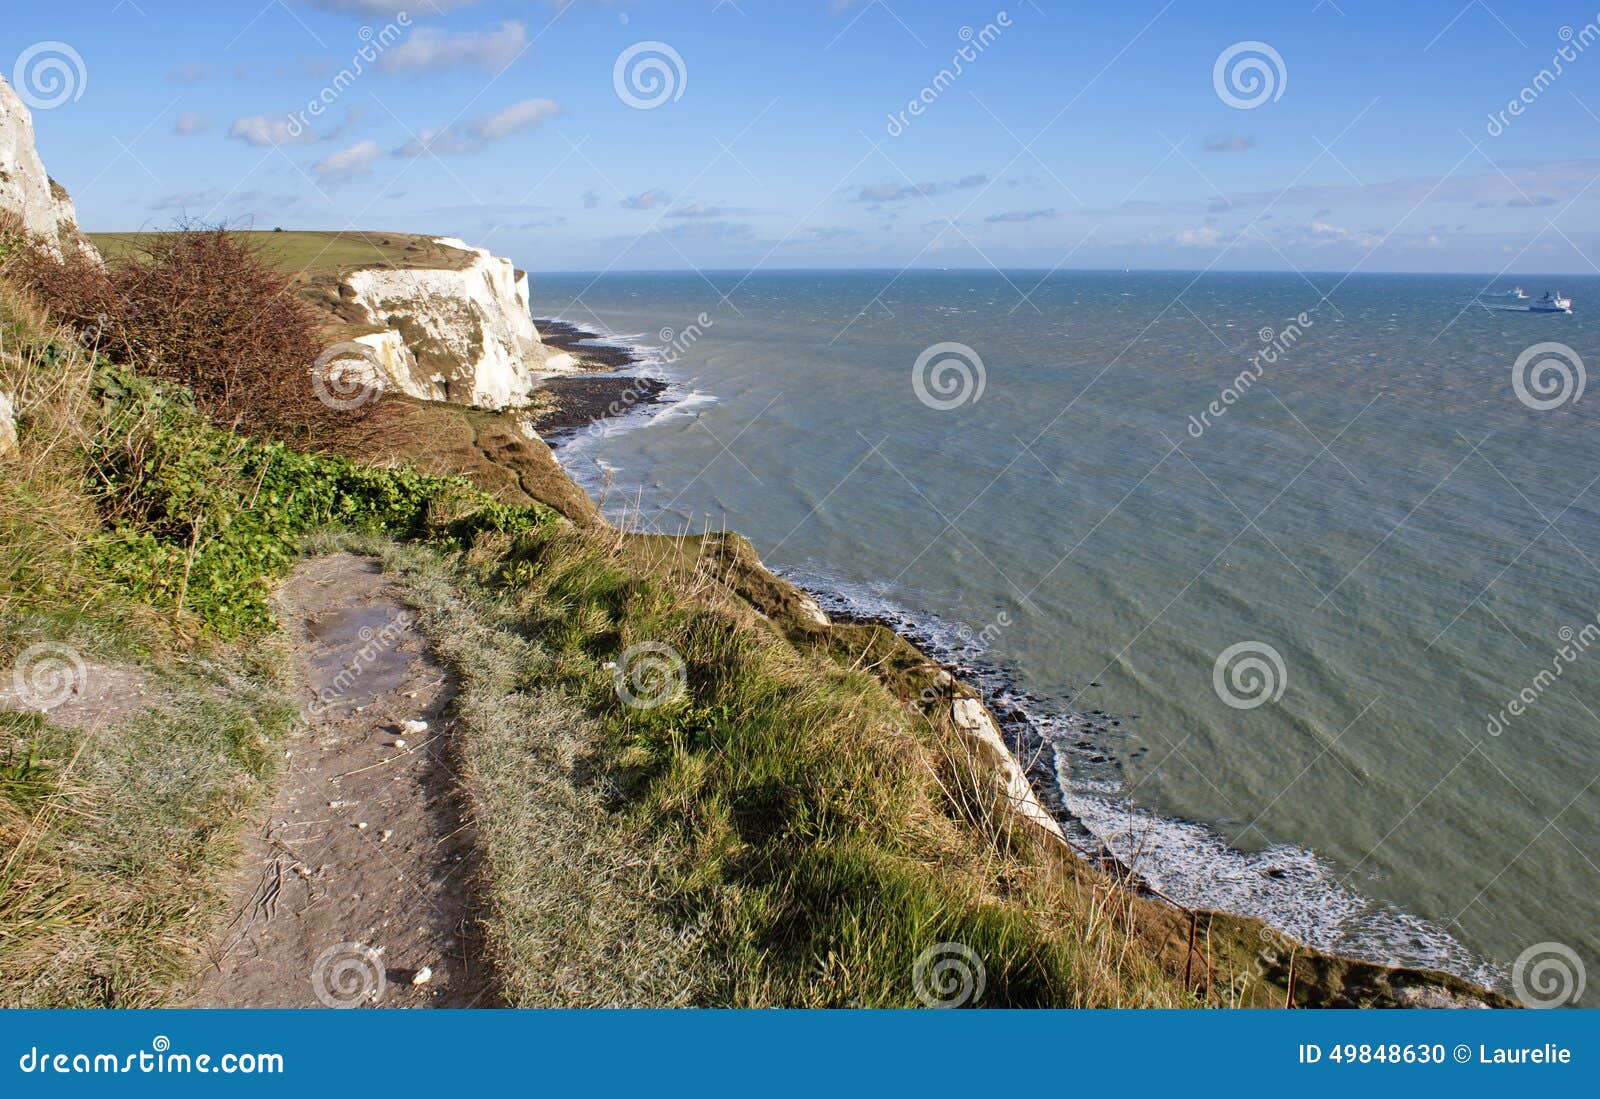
x=361, y=877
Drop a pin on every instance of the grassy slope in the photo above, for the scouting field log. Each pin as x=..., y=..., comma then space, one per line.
x=783, y=833
x=146, y=541
x=115, y=839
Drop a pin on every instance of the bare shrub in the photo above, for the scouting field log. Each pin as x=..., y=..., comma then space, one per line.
x=202, y=308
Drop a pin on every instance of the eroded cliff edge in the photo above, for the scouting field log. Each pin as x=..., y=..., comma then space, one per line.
x=459, y=332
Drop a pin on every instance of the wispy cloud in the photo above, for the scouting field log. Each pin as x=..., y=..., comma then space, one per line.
x=473, y=135
x=357, y=160
x=1228, y=143
x=190, y=123
x=899, y=192
x=261, y=130
x=431, y=48
x=697, y=211
x=648, y=200
x=1022, y=215
x=1321, y=234
x=1204, y=236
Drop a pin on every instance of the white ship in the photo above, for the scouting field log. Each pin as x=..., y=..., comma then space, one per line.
x=1552, y=302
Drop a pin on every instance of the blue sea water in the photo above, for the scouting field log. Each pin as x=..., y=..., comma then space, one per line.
x=1307, y=645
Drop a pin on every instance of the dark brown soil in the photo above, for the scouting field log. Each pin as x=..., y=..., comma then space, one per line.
x=361, y=877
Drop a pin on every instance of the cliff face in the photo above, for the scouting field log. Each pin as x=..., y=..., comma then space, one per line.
x=460, y=333
x=25, y=188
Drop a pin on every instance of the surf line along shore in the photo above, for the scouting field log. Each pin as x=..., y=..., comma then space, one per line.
x=611, y=390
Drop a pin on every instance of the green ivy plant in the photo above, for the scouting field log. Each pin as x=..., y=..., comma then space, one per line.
x=200, y=519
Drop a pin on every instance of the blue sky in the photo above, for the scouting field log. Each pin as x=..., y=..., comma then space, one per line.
x=1078, y=135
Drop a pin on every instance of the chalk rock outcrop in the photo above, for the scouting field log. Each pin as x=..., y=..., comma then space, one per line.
x=26, y=190
x=971, y=717
x=462, y=333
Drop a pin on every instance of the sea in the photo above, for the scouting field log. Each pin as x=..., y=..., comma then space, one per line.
x=1287, y=585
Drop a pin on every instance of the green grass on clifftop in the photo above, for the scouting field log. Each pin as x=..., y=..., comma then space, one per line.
x=314, y=254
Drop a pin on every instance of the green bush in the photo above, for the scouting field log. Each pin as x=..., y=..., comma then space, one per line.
x=201, y=519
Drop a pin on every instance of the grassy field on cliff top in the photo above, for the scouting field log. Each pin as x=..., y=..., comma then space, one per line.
x=312, y=254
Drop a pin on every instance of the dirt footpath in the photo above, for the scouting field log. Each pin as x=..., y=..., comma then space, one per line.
x=357, y=888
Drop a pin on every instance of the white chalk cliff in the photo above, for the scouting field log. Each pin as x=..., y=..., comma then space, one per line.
x=460, y=334
x=25, y=188
x=41, y=205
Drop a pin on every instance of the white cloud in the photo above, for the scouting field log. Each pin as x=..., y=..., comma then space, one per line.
x=1022, y=216
x=514, y=119
x=431, y=48
x=1204, y=236
x=261, y=130
x=695, y=211
x=1321, y=233
x=898, y=192
x=347, y=163
x=478, y=132
x=191, y=124
x=648, y=200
